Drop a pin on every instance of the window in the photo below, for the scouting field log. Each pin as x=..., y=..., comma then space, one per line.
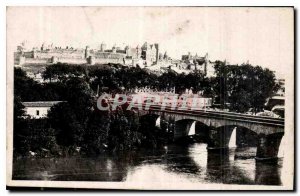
x=37, y=112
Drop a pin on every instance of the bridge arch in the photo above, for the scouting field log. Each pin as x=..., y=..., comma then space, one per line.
x=182, y=128
x=267, y=144
x=201, y=132
x=149, y=119
x=186, y=127
x=245, y=137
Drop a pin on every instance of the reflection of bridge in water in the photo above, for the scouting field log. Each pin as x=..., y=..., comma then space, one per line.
x=194, y=162
x=191, y=162
x=217, y=127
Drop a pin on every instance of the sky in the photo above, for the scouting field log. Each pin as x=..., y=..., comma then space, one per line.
x=262, y=36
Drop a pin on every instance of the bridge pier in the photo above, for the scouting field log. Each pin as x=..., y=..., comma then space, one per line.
x=219, y=139
x=182, y=128
x=268, y=146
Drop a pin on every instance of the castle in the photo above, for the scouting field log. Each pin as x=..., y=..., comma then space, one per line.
x=199, y=63
x=146, y=55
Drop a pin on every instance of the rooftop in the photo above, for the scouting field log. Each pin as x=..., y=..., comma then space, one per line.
x=41, y=103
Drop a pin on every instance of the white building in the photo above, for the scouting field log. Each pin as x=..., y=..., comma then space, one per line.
x=38, y=109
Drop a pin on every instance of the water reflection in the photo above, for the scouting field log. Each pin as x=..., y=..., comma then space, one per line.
x=268, y=174
x=191, y=163
x=222, y=169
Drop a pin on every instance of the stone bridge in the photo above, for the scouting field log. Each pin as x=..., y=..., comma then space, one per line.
x=220, y=125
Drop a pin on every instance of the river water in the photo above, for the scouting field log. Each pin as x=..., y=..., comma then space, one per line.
x=190, y=163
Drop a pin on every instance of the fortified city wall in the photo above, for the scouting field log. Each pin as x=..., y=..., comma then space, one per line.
x=52, y=55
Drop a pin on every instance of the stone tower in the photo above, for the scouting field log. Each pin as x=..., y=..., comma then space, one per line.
x=138, y=51
x=157, y=52
x=114, y=49
x=127, y=50
x=102, y=47
x=205, y=63
x=87, y=52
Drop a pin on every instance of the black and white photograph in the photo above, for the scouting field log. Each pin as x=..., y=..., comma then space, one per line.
x=150, y=98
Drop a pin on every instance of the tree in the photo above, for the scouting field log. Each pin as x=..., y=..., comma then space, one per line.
x=70, y=118
x=26, y=88
x=63, y=118
x=19, y=111
x=243, y=87
x=168, y=80
x=104, y=77
x=123, y=130
x=196, y=80
x=97, y=133
x=29, y=90
x=19, y=125
x=61, y=71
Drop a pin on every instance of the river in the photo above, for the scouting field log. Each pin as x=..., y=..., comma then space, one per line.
x=190, y=163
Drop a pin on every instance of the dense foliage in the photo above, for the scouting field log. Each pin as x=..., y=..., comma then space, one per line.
x=243, y=87
x=76, y=125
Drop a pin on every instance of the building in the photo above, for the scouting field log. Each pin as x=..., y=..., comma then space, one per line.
x=200, y=63
x=196, y=62
x=148, y=54
x=38, y=109
x=276, y=103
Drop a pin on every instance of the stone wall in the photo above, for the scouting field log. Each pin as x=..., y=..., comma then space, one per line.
x=74, y=54
x=89, y=56
x=34, y=61
x=107, y=60
x=71, y=61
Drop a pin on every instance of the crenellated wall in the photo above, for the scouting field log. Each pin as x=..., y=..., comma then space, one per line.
x=48, y=54
x=87, y=55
